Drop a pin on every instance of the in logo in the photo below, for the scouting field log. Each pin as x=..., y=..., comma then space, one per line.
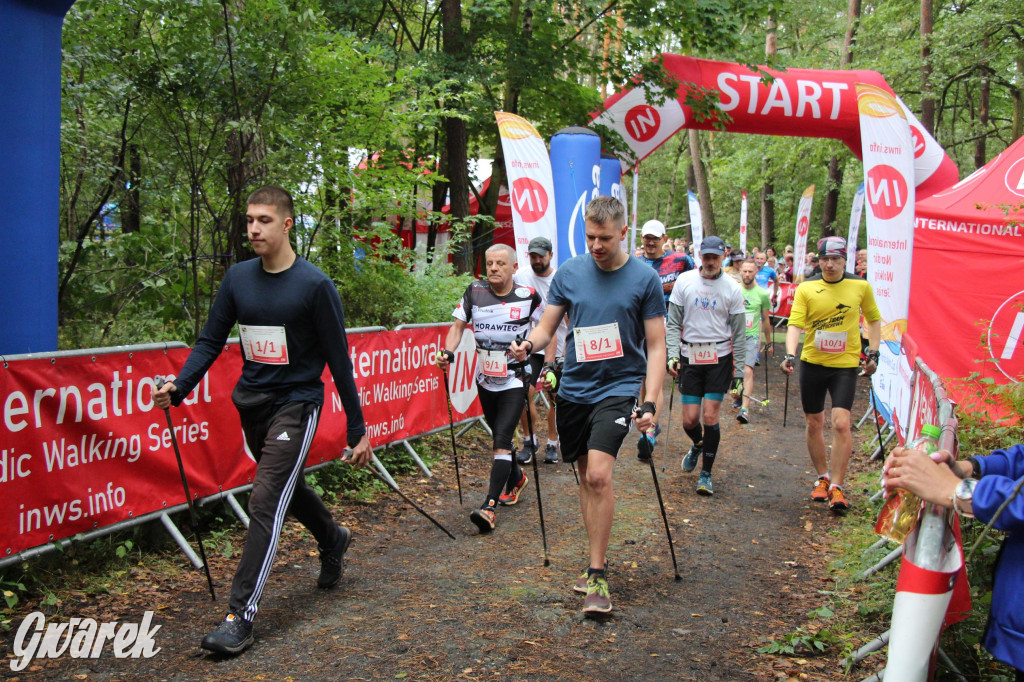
x=462, y=373
x=887, y=191
x=642, y=122
x=919, y=143
x=1015, y=177
x=802, y=225
x=1004, y=337
x=530, y=199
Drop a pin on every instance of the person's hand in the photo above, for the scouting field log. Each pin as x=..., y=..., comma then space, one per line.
x=871, y=363
x=769, y=348
x=917, y=473
x=162, y=395
x=673, y=366
x=444, y=358
x=788, y=364
x=519, y=348
x=361, y=453
x=737, y=386
x=644, y=416
x=548, y=380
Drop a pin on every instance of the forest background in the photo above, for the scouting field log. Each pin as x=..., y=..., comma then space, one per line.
x=174, y=111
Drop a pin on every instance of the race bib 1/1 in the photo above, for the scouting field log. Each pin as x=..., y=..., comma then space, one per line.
x=703, y=353
x=601, y=342
x=493, y=363
x=265, y=345
x=830, y=342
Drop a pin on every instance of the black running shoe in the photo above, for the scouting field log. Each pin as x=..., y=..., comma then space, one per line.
x=231, y=637
x=332, y=561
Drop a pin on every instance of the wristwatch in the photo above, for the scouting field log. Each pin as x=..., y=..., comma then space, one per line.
x=964, y=493
x=872, y=355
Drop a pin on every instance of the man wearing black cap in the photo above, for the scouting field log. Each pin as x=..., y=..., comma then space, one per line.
x=539, y=277
x=707, y=314
x=827, y=307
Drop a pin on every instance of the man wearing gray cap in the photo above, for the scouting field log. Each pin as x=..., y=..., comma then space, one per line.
x=706, y=326
x=539, y=277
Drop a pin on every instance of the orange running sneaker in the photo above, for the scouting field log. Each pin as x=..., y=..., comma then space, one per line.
x=820, y=491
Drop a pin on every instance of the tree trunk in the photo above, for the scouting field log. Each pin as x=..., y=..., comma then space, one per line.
x=691, y=186
x=1018, y=103
x=830, y=208
x=438, y=194
x=456, y=138
x=984, y=90
x=131, y=210
x=707, y=209
x=927, y=99
x=767, y=205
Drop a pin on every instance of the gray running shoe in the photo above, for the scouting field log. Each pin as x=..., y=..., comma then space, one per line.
x=704, y=484
x=551, y=454
x=525, y=455
x=598, y=601
x=744, y=416
x=690, y=460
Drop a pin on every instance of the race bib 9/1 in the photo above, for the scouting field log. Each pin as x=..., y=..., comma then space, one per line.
x=703, y=353
x=830, y=342
x=493, y=363
x=265, y=345
x=601, y=342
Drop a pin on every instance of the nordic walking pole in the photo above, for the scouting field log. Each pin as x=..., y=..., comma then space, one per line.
x=878, y=427
x=646, y=444
x=413, y=504
x=451, y=421
x=521, y=371
x=785, y=403
x=188, y=495
x=766, y=347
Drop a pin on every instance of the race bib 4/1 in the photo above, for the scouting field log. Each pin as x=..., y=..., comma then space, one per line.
x=266, y=345
x=493, y=363
x=830, y=342
x=601, y=342
x=703, y=353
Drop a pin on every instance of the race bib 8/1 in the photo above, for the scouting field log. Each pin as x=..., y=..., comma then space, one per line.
x=601, y=342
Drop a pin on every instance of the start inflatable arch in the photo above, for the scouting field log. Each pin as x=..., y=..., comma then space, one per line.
x=797, y=102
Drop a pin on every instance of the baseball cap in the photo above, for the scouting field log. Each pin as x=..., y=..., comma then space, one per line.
x=832, y=246
x=737, y=255
x=712, y=245
x=540, y=246
x=653, y=228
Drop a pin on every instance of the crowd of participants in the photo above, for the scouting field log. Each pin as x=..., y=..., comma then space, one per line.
x=598, y=336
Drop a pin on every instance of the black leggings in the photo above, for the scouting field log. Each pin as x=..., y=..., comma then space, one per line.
x=502, y=410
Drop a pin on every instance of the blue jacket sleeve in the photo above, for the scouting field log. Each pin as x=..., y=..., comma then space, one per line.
x=210, y=343
x=330, y=328
x=1001, y=471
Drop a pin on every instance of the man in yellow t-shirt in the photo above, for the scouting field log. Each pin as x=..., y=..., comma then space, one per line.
x=827, y=307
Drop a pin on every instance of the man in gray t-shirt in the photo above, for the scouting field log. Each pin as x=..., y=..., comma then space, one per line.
x=615, y=306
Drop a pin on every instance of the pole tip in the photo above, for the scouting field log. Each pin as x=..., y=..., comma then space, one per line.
x=547, y=562
x=679, y=578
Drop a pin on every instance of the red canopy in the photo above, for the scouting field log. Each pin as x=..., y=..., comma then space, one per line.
x=967, y=285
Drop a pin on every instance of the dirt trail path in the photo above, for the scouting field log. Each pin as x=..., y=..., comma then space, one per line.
x=414, y=604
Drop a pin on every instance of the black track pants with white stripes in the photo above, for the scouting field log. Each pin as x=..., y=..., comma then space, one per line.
x=279, y=438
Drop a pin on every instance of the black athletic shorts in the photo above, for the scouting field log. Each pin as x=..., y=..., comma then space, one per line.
x=816, y=380
x=502, y=410
x=600, y=426
x=705, y=380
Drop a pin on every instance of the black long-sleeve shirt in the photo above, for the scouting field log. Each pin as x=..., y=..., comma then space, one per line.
x=305, y=302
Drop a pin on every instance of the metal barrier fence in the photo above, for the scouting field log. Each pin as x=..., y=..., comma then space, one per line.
x=229, y=496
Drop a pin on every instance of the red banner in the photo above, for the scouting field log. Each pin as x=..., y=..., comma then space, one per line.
x=782, y=298
x=83, y=446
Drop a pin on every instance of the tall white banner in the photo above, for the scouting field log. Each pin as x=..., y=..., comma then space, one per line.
x=854, y=233
x=888, y=153
x=803, y=225
x=743, y=223
x=531, y=189
x=696, y=225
